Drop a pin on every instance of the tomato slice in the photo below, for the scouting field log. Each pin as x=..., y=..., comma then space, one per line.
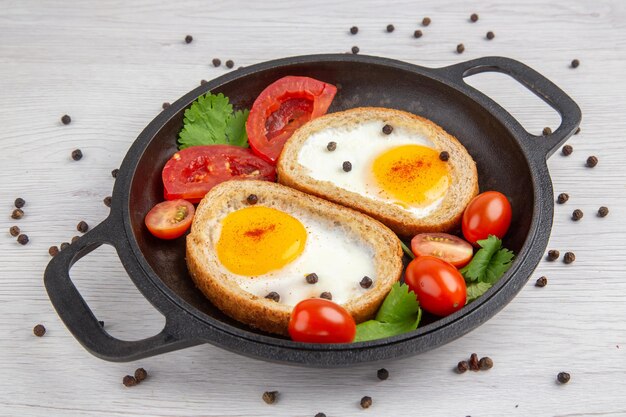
x=443, y=246
x=192, y=172
x=170, y=219
x=316, y=320
x=283, y=107
x=488, y=213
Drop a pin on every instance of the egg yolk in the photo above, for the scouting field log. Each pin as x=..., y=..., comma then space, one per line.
x=412, y=174
x=256, y=240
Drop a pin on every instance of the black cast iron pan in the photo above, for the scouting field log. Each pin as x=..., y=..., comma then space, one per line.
x=509, y=160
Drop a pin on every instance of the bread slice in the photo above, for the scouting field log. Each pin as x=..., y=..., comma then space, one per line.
x=462, y=168
x=223, y=288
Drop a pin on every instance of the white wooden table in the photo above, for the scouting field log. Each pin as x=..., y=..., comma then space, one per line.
x=110, y=65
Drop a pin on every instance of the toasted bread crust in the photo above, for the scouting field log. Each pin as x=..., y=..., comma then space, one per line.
x=224, y=292
x=464, y=177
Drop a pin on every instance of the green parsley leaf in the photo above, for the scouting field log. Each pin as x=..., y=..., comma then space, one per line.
x=406, y=250
x=480, y=262
x=374, y=329
x=476, y=289
x=210, y=121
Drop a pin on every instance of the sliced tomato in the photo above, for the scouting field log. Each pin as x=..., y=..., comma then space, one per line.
x=283, y=107
x=443, y=246
x=170, y=219
x=192, y=172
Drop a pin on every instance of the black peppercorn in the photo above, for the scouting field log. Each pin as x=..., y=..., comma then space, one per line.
x=66, y=120
x=140, y=374
x=473, y=362
x=326, y=295
x=230, y=64
x=387, y=129
x=592, y=161
x=202, y=82
x=14, y=231
x=417, y=34
x=426, y=21
x=74, y=239
x=474, y=17
x=603, y=211
x=541, y=282
x=444, y=156
x=115, y=172
x=562, y=198
x=460, y=48
x=107, y=201
x=77, y=154
x=382, y=374
x=354, y=30
x=252, y=199
x=270, y=397
x=165, y=105
x=19, y=202
x=366, y=282
x=490, y=35
x=347, y=166
x=567, y=150
x=129, y=381
x=355, y=50
x=366, y=402
x=39, y=330
x=331, y=146
x=312, y=278
x=569, y=257
x=320, y=415
x=577, y=131
x=188, y=39
x=485, y=363
x=553, y=255
x=17, y=214
x=577, y=214
x=563, y=377
x=216, y=62
x=462, y=367
x=53, y=250
x=547, y=131
x=390, y=28
x=101, y=323
x=575, y=63
x=82, y=226
x=274, y=296
x=22, y=239
x=64, y=245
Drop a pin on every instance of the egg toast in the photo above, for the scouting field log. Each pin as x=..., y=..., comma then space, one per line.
x=257, y=248
x=399, y=168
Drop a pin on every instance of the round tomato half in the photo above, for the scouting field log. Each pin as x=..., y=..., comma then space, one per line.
x=488, y=213
x=444, y=246
x=316, y=320
x=192, y=172
x=170, y=219
x=283, y=107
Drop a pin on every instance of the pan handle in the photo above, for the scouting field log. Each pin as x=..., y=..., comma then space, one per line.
x=533, y=81
x=81, y=321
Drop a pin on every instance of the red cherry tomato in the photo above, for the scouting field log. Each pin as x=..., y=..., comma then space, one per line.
x=283, y=107
x=170, y=219
x=192, y=172
x=444, y=246
x=440, y=288
x=316, y=320
x=487, y=214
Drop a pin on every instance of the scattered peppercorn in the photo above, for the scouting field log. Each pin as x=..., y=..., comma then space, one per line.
x=474, y=17
x=553, y=255
x=82, y=226
x=101, y=323
x=202, y=82
x=14, y=231
x=426, y=21
x=230, y=64
x=115, y=172
x=274, y=296
x=567, y=150
x=165, y=105
x=366, y=282
x=77, y=154
x=74, y=239
x=577, y=131
x=354, y=30
x=66, y=120
x=490, y=35
x=592, y=161
x=577, y=214
x=19, y=202
x=252, y=199
x=331, y=146
x=326, y=295
x=390, y=28
x=417, y=34
x=188, y=39
x=347, y=166
x=460, y=48
x=53, y=250
x=575, y=63
x=603, y=211
x=107, y=201
x=355, y=50
x=541, y=282
x=387, y=129
x=462, y=367
x=129, y=381
x=312, y=278
x=216, y=62
x=17, y=214
x=473, y=362
x=366, y=402
x=320, y=415
x=270, y=397
x=382, y=374
x=547, y=131
x=22, y=239
x=569, y=257
x=39, y=330
x=444, y=156
x=562, y=199
x=64, y=245
x=563, y=377
x=485, y=363
x=140, y=374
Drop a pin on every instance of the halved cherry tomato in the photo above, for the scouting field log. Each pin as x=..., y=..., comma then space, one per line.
x=440, y=288
x=316, y=320
x=283, y=107
x=192, y=172
x=487, y=214
x=170, y=219
x=444, y=246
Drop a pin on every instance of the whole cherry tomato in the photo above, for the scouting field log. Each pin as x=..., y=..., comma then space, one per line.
x=487, y=214
x=316, y=320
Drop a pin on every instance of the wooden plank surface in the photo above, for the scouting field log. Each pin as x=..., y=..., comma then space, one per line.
x=111, y=64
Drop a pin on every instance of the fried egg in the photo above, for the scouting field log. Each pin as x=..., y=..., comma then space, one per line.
x=401, y=168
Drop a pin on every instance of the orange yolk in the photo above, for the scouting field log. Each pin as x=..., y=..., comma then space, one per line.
x=256, y=240
x=412, y=174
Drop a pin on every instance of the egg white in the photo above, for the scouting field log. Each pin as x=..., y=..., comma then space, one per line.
x=359, y=144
